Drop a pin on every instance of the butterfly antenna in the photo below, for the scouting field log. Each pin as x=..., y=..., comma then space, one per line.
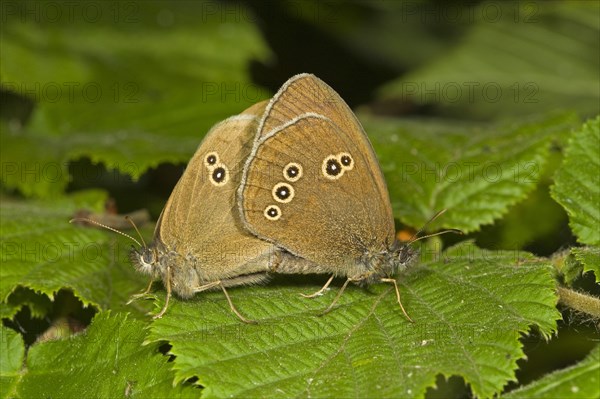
x=439, y=233
x=437, y=215
x=130, y=220
x=106, y=227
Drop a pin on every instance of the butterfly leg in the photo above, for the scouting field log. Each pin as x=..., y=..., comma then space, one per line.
x=339, y=294
x=207, y=286
x=320, y=292
x=219, y=283
x=141, y=294
x=168, y=284
x=242, y=318
x=393, y=281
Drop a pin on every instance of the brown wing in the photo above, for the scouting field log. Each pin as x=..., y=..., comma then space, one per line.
x=201, y=219
x=306, y=93
x=328, y=211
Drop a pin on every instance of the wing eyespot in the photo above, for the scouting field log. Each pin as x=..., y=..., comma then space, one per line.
x=272, y=212
x=332, y=168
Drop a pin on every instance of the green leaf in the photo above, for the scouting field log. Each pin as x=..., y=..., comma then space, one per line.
x=107, y=361
x=580, y=381
x=568, y=268
x=517, y=59
x=469, y=308
x=589, y=258
x=474, y=171
x=42, y=251
x=95, y=88
x=12, y=353
x=32, y=165
x=39, y=305
x=577, y=182
x=38, y=166
x=534, y=220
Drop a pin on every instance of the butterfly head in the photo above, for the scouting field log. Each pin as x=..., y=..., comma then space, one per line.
x=145, y=260
x=401, y=255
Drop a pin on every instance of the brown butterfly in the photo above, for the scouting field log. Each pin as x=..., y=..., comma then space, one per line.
x=312, y=186
x=199, y=242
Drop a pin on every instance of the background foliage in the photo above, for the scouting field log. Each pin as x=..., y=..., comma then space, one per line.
x=488, y=109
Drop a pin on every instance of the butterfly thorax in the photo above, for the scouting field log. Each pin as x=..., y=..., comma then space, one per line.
x=386, y=263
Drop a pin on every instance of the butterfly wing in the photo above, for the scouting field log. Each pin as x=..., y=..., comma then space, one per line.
x=200, y=221
x=306, y=93
x=315, y=188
